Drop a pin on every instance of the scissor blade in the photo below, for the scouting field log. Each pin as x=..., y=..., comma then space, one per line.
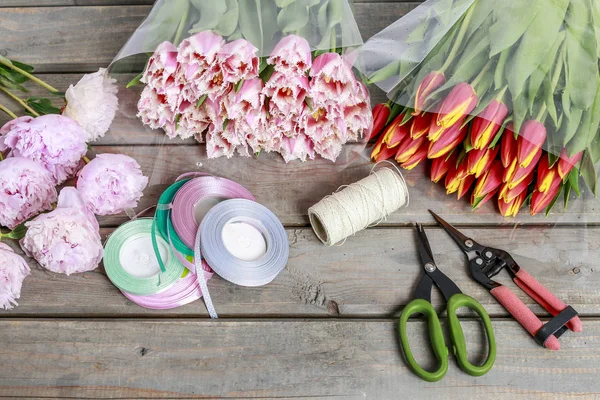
x=454, y=233
x=423, y=246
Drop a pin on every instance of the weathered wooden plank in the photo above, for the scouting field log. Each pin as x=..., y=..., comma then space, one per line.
x=243, y=359
x=66, y=39
x=290, y=189
x=372, y=275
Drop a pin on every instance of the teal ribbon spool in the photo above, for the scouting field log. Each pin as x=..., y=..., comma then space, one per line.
x=126, y=234
x=162, y=219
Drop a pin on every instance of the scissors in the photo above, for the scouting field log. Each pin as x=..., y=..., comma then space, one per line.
x=487, y=262
x=455, y=299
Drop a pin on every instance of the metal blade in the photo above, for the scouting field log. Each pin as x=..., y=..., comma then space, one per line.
x=423, y=246
x=465, y=243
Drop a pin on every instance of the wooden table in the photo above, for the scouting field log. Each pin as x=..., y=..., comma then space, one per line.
x=326, y=326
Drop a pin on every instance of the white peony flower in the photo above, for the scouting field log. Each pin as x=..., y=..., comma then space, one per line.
x=13, y=269
x=93, y=103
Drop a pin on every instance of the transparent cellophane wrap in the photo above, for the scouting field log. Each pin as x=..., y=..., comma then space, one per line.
x=327, y=25
x=539, y=58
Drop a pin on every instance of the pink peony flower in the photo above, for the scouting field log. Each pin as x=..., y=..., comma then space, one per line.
x=291, y=55
x=286, y=93
x=26, y=189
x=93, y=103
x=111, y=183
x=238, y=61
x=56, y=142
x=65, y=240
x=13, y=270
x=332, y=79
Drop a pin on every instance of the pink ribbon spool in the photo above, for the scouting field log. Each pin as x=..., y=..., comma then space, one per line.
x=204, y=188
x=184, y=291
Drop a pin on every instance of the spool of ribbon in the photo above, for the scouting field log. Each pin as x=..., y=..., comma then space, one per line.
x=358, y=206
x=184, y=291
x=131, y=263
x=243, y=242
x=196, y=197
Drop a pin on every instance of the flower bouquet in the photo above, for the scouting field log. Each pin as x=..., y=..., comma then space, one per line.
x=40, y=153
x=253, y=76
x=502, y=97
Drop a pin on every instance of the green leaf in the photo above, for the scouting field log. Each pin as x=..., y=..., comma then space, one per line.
x=135, y=80
x=551, y=205
x=211, y=13
x=567, y=194
x=295, y=16
x=283, y=3
x=201, y=100
x=12, y=75
x=8, y=84
x=42, y=106
x=481, y=12
x=266, y=74
x=595, y=5
x=165, y=22
x=258, y=23
x=589, y=173
x=582, y=55
x=543, y=72
x=519, y=112
x=500, y=133
x=330, y=14
x=571, y=125
x=573, y=179
x=500, y=68
x=23, y=66
x=534, y=44
x=230, y=20
x=18, y=233
x=512, y=20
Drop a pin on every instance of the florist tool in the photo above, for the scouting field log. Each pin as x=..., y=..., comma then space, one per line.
x=486, y=262
x=455, y=299
x=358, y=206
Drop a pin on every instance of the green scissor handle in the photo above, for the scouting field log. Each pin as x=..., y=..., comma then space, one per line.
x=436, y=337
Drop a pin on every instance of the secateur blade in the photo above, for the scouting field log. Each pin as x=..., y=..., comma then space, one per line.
x=466, y=244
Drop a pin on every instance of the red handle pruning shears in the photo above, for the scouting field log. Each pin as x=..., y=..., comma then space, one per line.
x=487, y=262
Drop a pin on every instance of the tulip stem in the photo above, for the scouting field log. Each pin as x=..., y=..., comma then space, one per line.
x=459, y=39
x=20, y=101
x=500, y=96
x=181, y=25
x=27, y=75
x=7, y=111
x=483, y=71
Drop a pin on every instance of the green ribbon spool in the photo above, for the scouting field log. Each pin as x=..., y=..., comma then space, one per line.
x=126, y=234
x=162, y=219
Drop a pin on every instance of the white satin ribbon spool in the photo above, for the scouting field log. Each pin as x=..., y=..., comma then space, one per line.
x=251, y=254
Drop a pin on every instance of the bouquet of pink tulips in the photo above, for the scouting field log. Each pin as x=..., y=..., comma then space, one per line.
x=505, y=108
x=246, y=84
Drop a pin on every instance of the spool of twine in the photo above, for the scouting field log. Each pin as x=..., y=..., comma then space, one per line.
x=356, y=207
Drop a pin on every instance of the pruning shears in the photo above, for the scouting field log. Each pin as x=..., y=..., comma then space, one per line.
x=487, y=262
x=455, y=299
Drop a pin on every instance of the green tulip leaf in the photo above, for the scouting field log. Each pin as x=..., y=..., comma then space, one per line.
x=589, y=174
x=573, y=179
x=595, y=5
x=500, y=67
x=534, y=45
x=481, y=12
x=330, y=14
x=211, y=13
x=519, y=112
x=572, y=124
x=295, y=16
x=283, y=3
x=543, y=72
x=553, y=202
x=582, y=54
x=257, y=23
x=165, y=22
x=230, y=20
x=512, y=20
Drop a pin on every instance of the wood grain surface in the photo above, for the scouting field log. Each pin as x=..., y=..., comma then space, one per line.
x=277, y=359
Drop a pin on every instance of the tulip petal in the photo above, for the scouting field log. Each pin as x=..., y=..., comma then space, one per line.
x=448, y=142
x=531, y=138
x=430, y=83
x=461, y=100
x=408, y=148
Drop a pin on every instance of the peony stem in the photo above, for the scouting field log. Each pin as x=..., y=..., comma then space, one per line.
x=20, y=101
x=459, y=39
x=28, y=75
x=7, y=111
x=86, y=160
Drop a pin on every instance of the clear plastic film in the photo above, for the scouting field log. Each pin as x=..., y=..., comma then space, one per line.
x=468, y=74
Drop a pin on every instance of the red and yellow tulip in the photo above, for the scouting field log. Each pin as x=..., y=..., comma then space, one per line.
x=531, y=138
x=490, y=181
x=408, y=148
x=420, y=125
x=381, y=113
x=428, y=85
x=487, y=124
x=440, y=167
x=447, y=142
x=456, y=174
x=566, y=163
x=461, y=100
x=480, y=161
x=417, y=157
x=512, y=207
